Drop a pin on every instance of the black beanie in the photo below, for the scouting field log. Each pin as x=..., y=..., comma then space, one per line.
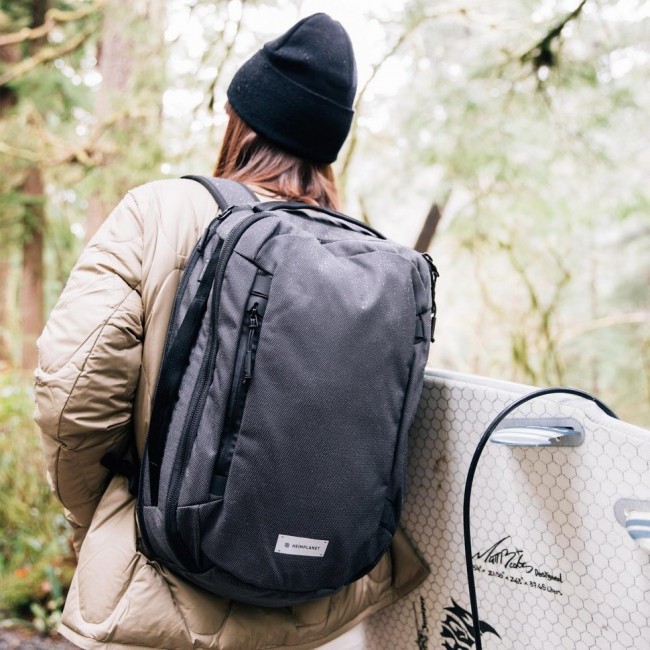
x=298, y=90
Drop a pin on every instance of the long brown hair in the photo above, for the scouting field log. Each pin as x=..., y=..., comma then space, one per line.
x=249, y=158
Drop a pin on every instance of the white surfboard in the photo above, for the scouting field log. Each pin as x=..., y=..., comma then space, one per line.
x=560, y=535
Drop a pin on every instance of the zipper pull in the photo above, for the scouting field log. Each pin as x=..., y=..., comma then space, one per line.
x=433, y=271
x=253, y=326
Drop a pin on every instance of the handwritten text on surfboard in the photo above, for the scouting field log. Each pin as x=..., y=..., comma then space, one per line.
x=501, y=555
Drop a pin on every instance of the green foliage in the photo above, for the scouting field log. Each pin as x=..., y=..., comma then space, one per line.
x=36, y=561
x=51, y=92
x=529, y=128
x=37, y=123
x=533, y=140
x=12, y=211
x=14, y=13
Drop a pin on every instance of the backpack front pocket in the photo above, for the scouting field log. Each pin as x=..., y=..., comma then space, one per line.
x=242, y=377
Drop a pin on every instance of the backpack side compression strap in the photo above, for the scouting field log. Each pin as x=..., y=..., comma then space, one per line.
x=172, y=370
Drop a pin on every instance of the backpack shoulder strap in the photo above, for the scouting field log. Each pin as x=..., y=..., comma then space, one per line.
x=225, y=192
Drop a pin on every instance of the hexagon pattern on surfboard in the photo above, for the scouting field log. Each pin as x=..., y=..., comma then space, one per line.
x=554, y=567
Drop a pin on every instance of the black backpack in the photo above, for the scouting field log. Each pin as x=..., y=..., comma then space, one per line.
x=275, y=461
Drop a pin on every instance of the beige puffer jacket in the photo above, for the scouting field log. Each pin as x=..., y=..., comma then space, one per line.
x=99, y=357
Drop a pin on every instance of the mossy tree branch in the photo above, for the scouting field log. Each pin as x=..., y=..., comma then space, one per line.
x=52, y=18
x=45, y=55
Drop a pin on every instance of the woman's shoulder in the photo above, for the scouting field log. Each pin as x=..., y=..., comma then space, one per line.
x=179, y=201
x=173, y=213
x=169, y=192
x=182, y=192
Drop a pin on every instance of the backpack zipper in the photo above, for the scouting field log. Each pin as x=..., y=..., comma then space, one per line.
x=232, y=424
x=242, y=376
x=433, y=272
x=253, y=335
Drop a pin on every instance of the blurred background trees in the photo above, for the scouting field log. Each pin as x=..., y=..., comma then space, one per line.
x=510, y=139
x=81, y=87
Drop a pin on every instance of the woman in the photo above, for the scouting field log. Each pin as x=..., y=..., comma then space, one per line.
x=290, y=109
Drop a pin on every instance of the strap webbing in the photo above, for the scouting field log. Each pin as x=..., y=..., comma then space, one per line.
x=225, y=192
x=171, y=373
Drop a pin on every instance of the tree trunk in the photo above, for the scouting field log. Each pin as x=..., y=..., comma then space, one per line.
x=429, y=228
x=116, y=65
x=5, y=341
x=131, y=43
x=31, y=294
x=8, y=54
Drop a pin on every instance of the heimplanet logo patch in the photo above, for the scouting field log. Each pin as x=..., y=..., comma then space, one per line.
x=290, y=545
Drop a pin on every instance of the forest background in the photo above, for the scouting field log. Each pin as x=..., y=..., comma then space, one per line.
x=510, y=139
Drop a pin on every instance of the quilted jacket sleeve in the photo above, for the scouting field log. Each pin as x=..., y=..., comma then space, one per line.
x=89, y=363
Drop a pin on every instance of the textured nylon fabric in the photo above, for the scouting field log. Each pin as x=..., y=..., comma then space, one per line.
x=317, y=454
x=313, y=434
